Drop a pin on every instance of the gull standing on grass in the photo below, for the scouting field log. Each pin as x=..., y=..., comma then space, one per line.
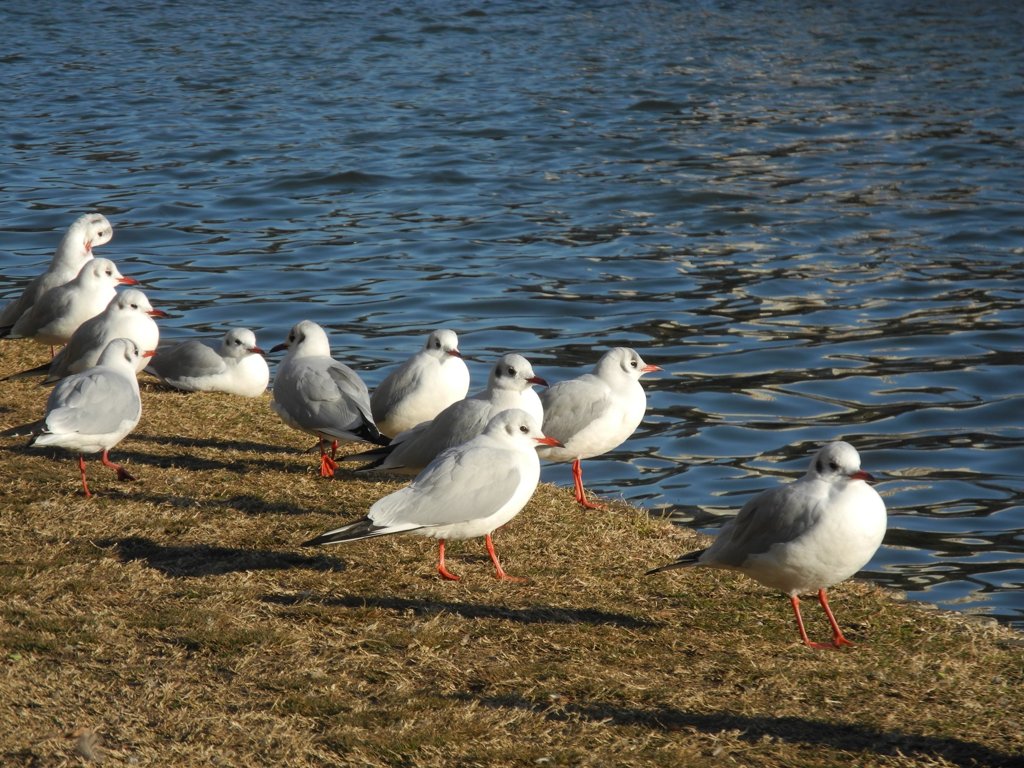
x=316, y=394
x=510, y=380
x=466, y=492
x=595, y=413
x=92, y=411
x=88, y=231
x=806, y=536
x=129, y=315
x=58, y=313
x=422, y=386
x=237, y=367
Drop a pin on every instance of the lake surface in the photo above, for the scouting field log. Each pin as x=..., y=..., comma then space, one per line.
x=810, y=215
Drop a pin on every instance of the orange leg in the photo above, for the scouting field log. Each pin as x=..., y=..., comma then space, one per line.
x=838, y=640
x=577, y=477
x=327, y=463
x=85, y=485
x=445, y=573
x=499, y=572
x=122, y=473
x=795, y=602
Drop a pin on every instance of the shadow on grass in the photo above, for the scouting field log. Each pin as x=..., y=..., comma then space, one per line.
x=197, y=463
x=206, y=560
x=215, y=443
x=847, y=737
x=426, y=607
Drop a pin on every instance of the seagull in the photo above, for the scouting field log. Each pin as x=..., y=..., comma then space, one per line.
x=595, y=413
x=315, y=393
x=510, y=379
x=92, y=411
x=422, y=386
x=85, y=233
x=237, y=368
x=465, y=492
x=59, y=312
x=805, y=536
x=129, y=315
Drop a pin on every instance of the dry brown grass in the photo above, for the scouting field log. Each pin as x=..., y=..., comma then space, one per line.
x=175, y=621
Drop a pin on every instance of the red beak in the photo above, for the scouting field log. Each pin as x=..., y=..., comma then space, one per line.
x=650, y=369
x=454, y=353
x=149, y=353
x=549, y=441
x=537, y=380
x=860, y=474
x=128, y=281
x=157, y=313
x=257, y=351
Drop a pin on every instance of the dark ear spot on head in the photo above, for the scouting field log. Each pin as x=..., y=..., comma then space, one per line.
x=820, y=466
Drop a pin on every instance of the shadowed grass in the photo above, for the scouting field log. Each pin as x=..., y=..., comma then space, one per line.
x=177, y=620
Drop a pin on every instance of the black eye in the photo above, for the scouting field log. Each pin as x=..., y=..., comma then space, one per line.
x=833, y=466
x=632, y=363
x=524, y=429
x=135, y=306
x=511, y=371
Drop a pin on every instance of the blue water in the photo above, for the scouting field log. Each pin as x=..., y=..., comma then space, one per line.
x=811, y=215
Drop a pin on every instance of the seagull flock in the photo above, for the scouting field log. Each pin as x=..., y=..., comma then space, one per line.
x=474, y=458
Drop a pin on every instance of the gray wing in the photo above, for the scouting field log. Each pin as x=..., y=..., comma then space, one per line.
x=569, y=406
x=326, y=398
x=459, y=422
x=50, y=306
x=463, y=483
x=91, y=403
x=190, y=359
x=394, y=388
x=776, y=516
x=82, y=350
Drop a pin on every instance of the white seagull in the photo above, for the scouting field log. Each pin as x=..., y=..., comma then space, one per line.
x=316, y=394
x=55, y=317
x=422, y=386
x=237, y=367
x=92, y=411
x=466, y=492
x=806, y=536
x=85, y=233
x=509, y=381
x=595, y=413
x=129, y=315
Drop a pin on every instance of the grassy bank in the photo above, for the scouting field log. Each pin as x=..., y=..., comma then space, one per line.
x=176, y=621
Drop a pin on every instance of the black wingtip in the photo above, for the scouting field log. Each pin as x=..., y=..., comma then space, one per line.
x=685, y=561
x=368, y=431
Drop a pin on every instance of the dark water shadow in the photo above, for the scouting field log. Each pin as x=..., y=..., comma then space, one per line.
x=427, y=607
x=794, y=730
x=207, y=560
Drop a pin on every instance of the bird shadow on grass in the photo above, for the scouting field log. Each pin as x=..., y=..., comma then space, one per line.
x=537, y=614
x=198, y=463
x=207, y=560
x=210, y=442
x=846, y=737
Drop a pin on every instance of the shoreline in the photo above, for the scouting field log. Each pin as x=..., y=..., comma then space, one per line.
x=176, y=620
